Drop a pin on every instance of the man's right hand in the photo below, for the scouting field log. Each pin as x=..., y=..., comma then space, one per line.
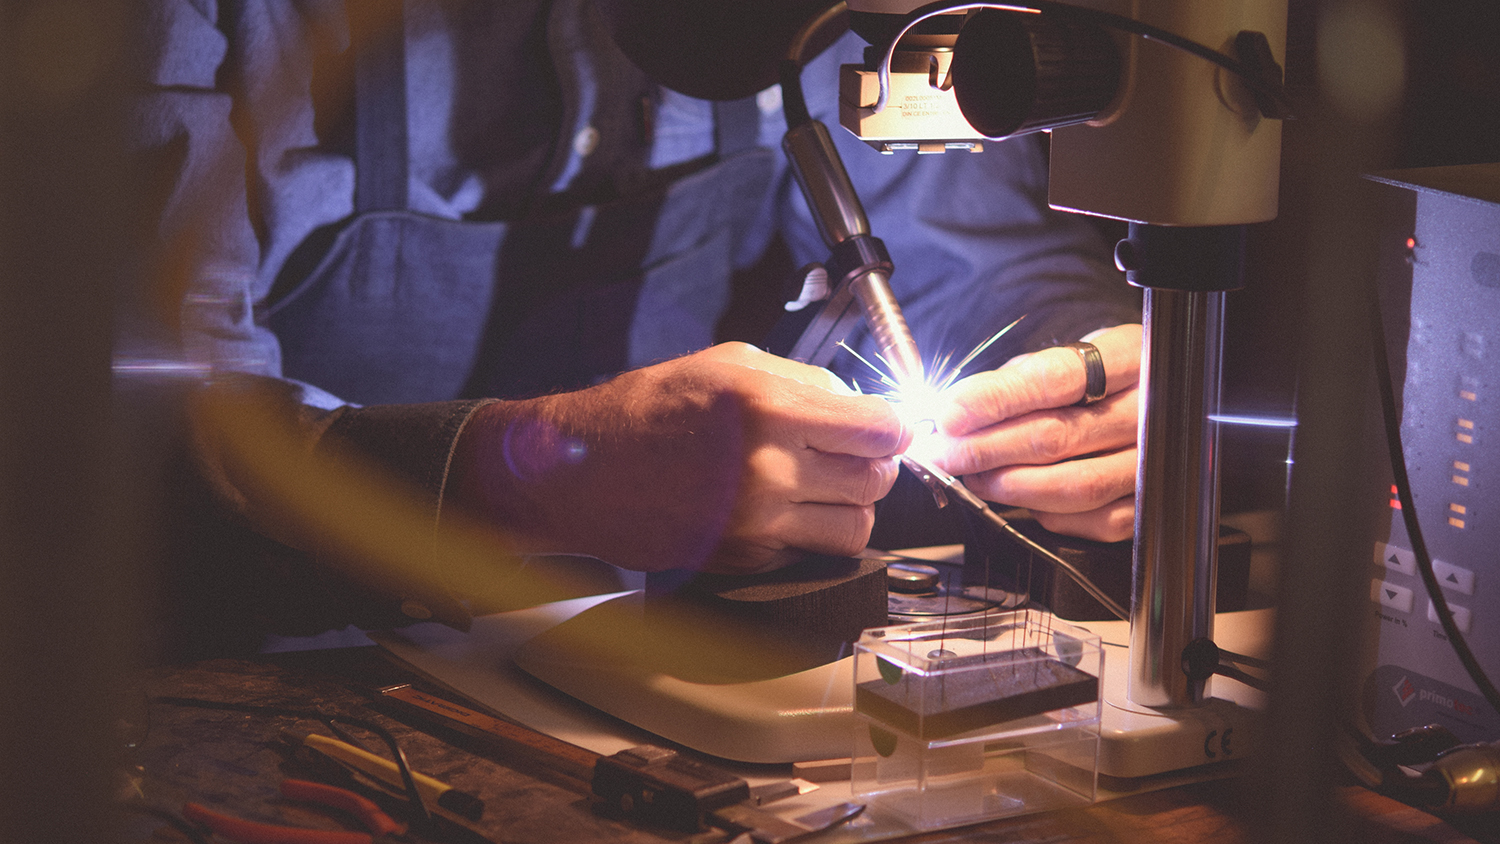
x=726, y=460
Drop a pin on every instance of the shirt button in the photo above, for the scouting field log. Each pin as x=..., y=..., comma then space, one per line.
x=586, y=141
x=769, y=101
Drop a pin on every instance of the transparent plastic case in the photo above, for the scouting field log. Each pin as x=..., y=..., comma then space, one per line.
x=969, y=719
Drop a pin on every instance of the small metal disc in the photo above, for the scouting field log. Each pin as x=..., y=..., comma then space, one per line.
x=911, y=578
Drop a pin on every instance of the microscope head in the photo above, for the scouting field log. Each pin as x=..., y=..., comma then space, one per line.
x=1141, y=130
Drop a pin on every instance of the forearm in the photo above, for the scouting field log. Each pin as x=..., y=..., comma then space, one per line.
x=536, y=469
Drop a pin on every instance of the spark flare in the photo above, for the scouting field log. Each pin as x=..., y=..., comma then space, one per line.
x=918, y=401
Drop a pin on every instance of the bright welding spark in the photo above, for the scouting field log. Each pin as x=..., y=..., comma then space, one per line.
x=918, y=401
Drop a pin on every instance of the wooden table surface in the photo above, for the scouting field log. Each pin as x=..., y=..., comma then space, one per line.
x=233, y=761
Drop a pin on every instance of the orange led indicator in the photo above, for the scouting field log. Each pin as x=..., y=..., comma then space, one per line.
x=1466, y=424
x=1456, y=522
x=1460, y=480
x=1461, y=465
x=1468, y=395
x=1458, y=508
x=1466, y=438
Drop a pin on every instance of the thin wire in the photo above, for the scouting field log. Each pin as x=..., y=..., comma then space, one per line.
x=956, y=490
x=1068, y=568
x=947, y=601
x=948, y=376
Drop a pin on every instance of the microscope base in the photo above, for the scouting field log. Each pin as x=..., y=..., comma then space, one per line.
x=1138, y=741
x=808, y=716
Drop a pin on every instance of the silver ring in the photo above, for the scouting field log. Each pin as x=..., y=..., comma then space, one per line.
x=1093, y=371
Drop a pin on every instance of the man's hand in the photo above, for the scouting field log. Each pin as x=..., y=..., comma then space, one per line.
x=725, y=460
x=1015, y=435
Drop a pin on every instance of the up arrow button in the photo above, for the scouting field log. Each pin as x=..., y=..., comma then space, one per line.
x=1395, y=558
x=1452, y=577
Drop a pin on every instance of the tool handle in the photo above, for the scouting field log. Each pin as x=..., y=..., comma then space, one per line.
x=573, y=763
x=433, y=790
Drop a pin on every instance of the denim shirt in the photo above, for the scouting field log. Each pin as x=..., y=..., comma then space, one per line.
x=971, y=236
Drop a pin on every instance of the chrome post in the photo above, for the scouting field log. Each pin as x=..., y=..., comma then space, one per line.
x=1177, y=493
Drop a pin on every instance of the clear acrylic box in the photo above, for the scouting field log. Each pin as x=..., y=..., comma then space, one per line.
x=969, y=719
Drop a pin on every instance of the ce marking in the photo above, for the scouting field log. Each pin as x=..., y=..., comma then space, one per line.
x=1224, y=746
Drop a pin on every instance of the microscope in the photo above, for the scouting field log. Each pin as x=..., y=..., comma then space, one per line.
x=1163, y=113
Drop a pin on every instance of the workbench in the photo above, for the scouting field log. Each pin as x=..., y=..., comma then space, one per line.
x=233, y=762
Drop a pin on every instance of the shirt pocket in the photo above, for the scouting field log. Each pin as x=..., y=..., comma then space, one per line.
x=394, y=311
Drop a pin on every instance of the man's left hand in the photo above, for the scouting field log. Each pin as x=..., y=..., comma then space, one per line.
x=1017, y=436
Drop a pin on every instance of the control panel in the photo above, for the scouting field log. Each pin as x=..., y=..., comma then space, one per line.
x=1450, y=428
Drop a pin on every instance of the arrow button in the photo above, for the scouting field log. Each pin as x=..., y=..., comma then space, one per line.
x=1396, y=558
x=1452, y=577
x=1398, y=598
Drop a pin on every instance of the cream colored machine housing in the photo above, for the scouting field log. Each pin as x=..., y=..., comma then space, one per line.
x=1184, y=145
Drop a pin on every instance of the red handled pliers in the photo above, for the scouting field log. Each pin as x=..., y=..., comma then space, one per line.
x=379, y=824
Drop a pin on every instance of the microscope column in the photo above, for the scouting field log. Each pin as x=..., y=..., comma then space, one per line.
x=1185, y=271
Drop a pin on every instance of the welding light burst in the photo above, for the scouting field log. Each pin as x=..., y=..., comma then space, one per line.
x=917, y=400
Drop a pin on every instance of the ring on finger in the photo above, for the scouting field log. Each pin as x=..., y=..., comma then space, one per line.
x=1093, y=371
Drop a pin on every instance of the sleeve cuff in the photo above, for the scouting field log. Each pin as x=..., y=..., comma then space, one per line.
x=414, y=443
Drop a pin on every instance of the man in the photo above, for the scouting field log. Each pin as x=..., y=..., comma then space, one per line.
x=511, y=305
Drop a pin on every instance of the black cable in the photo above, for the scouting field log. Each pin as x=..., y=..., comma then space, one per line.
x=1201, y=659
x=789, y=70
x=1234, y=673
x=1397, y=455
x=793, y=103
x=413, y=794
x=1240, y=659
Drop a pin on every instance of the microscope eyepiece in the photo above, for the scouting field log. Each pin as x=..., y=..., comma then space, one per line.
x=1015, y=73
